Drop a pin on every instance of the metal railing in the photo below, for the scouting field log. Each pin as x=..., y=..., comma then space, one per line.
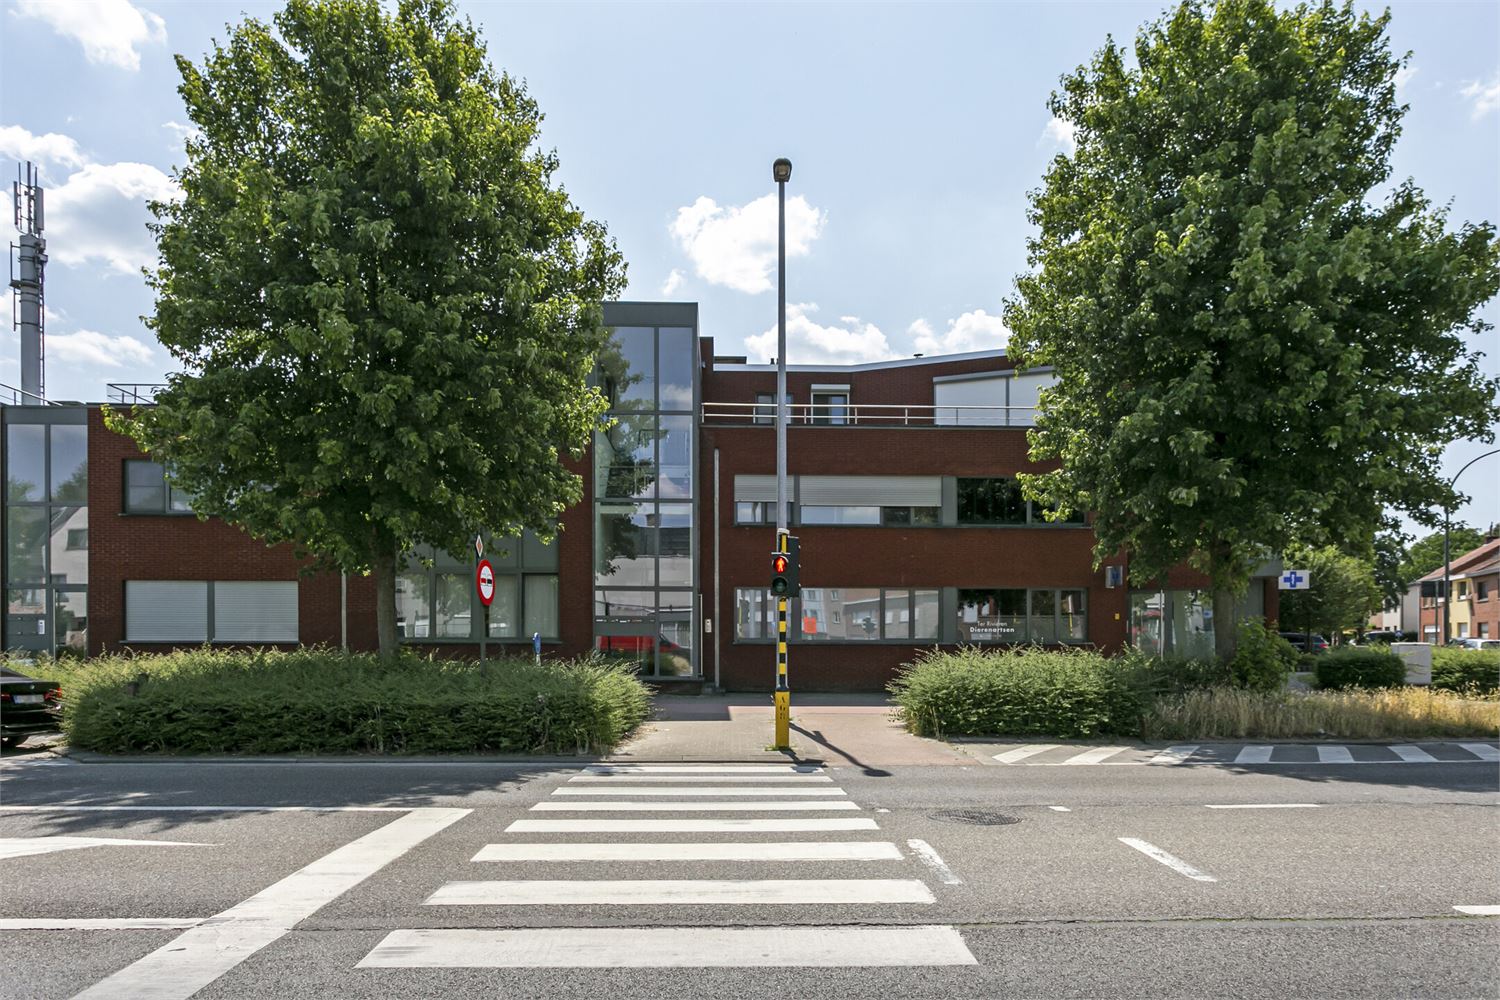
x=870, y=415
x=11, y=396
x=133, y=392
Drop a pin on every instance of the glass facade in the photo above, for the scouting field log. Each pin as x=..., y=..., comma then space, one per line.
x=1181, y=622
x=645, y=542
x=436, y=601
x=842, y=614
x=1039, y=615
x=46, y=564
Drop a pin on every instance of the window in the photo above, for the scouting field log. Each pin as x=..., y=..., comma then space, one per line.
x=914, y=516
x=857, y=610
x=166, y=611
x=819, y=514
x=1481, y=590
x=754, y=614
x=1463, y=590
x=1463, y=630
x=438, y=601
x=254, y=611
x=1015, y=615
x=765, y=407
x=752, y=512
x=148, y=492
x=996, y=501
x=78, y=538
x=842, y=614
x=247, y=611
x=830, y=407
x=505, y=608
x=1429, y=633
x=1484, y=630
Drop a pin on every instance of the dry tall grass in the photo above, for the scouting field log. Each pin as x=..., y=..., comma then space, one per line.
x=1406, y=712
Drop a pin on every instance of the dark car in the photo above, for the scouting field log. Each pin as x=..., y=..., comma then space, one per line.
x=27, y=706
x=1384, y=635
x=1305, y=644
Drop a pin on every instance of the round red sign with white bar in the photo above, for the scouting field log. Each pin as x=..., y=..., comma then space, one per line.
x=484, y=579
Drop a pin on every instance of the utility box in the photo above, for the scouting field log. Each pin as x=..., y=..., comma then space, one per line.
x=1418, y=659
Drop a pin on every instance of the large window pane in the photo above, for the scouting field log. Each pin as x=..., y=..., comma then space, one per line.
x=26, y=545
x=817, y=514
x=25, y=616
x=541, y=606
x=255, y=611
x=754, y=614
x=841, y=614
x=505, y=609
x=70, y=610
x=898, y=614
x=624, y=462
x=628, y=369
x=69, y=542
x=675, y=539
x=678, y=352
x=25, y=463
x=452, y=606
x=618, y=604
x=145, y=487
x=670, y=601
x=1073, y=623
x=70, y=462
x=623, y=547
x=1044, y=616
x=992, y=616
x=990, y=501
x=166, y=611
x=1146, y=615
x=674, y=657
x=676, y=458
x=1192, y=623
x=925, y=604
x=414, y=605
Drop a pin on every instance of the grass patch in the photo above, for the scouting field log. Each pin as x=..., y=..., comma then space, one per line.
x=315, y=701
x=1403, y=712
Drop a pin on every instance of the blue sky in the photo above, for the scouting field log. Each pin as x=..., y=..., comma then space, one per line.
x=915, y=132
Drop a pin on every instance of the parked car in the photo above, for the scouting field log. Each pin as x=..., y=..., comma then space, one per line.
x=1305, y=644
x=1384, y=635
x=27, y=706
x=1475, y=643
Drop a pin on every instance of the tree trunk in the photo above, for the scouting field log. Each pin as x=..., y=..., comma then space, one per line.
x=1225, y=625
x=383, y=566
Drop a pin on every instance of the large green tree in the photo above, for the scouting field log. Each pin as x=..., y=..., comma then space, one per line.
x=385, y=309
x=1257, y=341
x=1343, y=592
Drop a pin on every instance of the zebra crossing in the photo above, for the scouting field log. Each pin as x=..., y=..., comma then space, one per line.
x=1062, y=755
x=767, y=793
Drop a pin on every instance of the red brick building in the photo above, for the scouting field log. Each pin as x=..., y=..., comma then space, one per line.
x=1474, y=578
x=902, y=492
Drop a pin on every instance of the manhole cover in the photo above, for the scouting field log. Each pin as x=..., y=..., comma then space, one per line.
x=975, y=817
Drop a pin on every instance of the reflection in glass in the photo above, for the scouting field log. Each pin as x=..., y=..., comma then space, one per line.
x=145, y=487
x=70, y=462
x=624, y=463
x=898, y=614
x=70, y=611
x=637, y=652
x=451, y=608
x=69, y=544
x=1192, y=623
x=1043, y=616
x=925, y=610
x=541, y=606
x=674, y=535
x=620, y=604
x=26, y=544
x=676, y=458
x=841, y=614
x=674, y=657
x=25, y=463
x=623, y=555
x=755, y=613
x=990, y=501
x=820, y=514
x=413, y=605
x=25, y=615
x=627, y=368
x=1073, y=623
x=992, y=615
x=505, y=609
x=679, y=358
x=1146, y=615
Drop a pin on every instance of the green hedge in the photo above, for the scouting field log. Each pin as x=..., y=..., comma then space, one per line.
x=321, y=702
x=1464, y=669
x=1361, y=667
x=1021, y=691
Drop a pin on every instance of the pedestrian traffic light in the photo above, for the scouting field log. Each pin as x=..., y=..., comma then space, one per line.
x=784, y=572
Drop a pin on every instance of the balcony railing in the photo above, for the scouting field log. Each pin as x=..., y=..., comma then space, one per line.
x=133, y=392
x=11, y=396
x=869, y=415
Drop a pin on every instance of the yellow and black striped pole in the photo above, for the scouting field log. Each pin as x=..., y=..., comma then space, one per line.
x=783, y=692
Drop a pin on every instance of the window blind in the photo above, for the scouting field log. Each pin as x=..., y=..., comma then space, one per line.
x=881, y=491
x=166, y=611
x=255, y=611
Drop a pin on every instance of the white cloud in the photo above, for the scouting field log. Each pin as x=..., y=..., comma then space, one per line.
x=736, y=246
x=52, y=149
x=1060, y=133
x=92, y=347
x=973, y=331
x=1404, y=75
x=180, y=134
x=808, y=343
x=673, y=282
x=109, y=30
x=100, y=213
x=1486, y=96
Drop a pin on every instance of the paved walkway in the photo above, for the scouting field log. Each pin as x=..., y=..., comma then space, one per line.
x=850, y=730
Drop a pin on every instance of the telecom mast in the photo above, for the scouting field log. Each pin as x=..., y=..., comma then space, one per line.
x=28, y=264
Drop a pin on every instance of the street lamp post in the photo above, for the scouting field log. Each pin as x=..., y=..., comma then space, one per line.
x=1447, y=563
x=781, y=171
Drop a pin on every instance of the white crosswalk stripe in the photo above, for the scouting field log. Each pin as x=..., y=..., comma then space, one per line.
x=1482, y=750
x=1095, y=756
x=1280, y=754
x=687, y=878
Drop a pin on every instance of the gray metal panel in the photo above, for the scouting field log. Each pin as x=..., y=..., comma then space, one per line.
x=948, y=629
x=755, y=489
x=651, y=314
x=876, y=491
x=949, y=516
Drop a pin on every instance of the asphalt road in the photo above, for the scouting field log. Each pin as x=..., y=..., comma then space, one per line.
x=355, y=880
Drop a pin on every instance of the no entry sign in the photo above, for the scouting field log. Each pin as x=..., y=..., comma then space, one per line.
x=484, y=580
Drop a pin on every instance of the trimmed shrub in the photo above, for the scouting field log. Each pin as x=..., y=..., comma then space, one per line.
x=1465, y=669
x=1262, y=659
x=1022, y=691
x=1360, y=667
x=318, y=701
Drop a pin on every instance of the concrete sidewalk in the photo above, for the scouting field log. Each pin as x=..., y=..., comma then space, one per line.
x=837, y=730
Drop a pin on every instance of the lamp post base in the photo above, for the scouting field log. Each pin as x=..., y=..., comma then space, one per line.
x=783, y=721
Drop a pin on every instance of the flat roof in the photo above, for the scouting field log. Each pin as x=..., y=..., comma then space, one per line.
x=870, y=366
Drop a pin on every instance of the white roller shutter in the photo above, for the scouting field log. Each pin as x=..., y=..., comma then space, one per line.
x=755, y=489
x=951, y=399
x=1024, y=390
x=255, y=611
x=166, y=611
x=870, y=491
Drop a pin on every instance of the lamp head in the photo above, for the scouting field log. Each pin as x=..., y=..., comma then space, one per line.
x=781, y=170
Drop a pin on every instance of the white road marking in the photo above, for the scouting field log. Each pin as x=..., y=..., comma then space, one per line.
x=698, y=791
x=1254, y=755
x=21, y=847
x=928, y=854
x=765, y=779
x=66, y=807
x=1413, y=755
x=101, y=924
x=1060, y=809
x=782, y=769
x=787, y=825
x=637, y=892
x=800, y=850
x=1335, y=755
x=198, y=956
x=670, y=947
x=824, y=805
x=37, y=760
x=1482, y=750
x=1174, y=755
x=1269, y=805
x=1095, y=755
x=1175, y=863
x=1479, y=911
x=1021, y=753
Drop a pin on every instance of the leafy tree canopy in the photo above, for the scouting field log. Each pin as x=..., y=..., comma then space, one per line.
x=1250, y=349
x=1343, y=595
x=1426, y=554
x=385, y=309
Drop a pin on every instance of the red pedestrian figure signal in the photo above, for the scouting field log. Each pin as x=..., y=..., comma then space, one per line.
x=784, y=574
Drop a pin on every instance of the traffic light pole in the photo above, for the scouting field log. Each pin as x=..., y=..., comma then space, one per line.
x=783, y=691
